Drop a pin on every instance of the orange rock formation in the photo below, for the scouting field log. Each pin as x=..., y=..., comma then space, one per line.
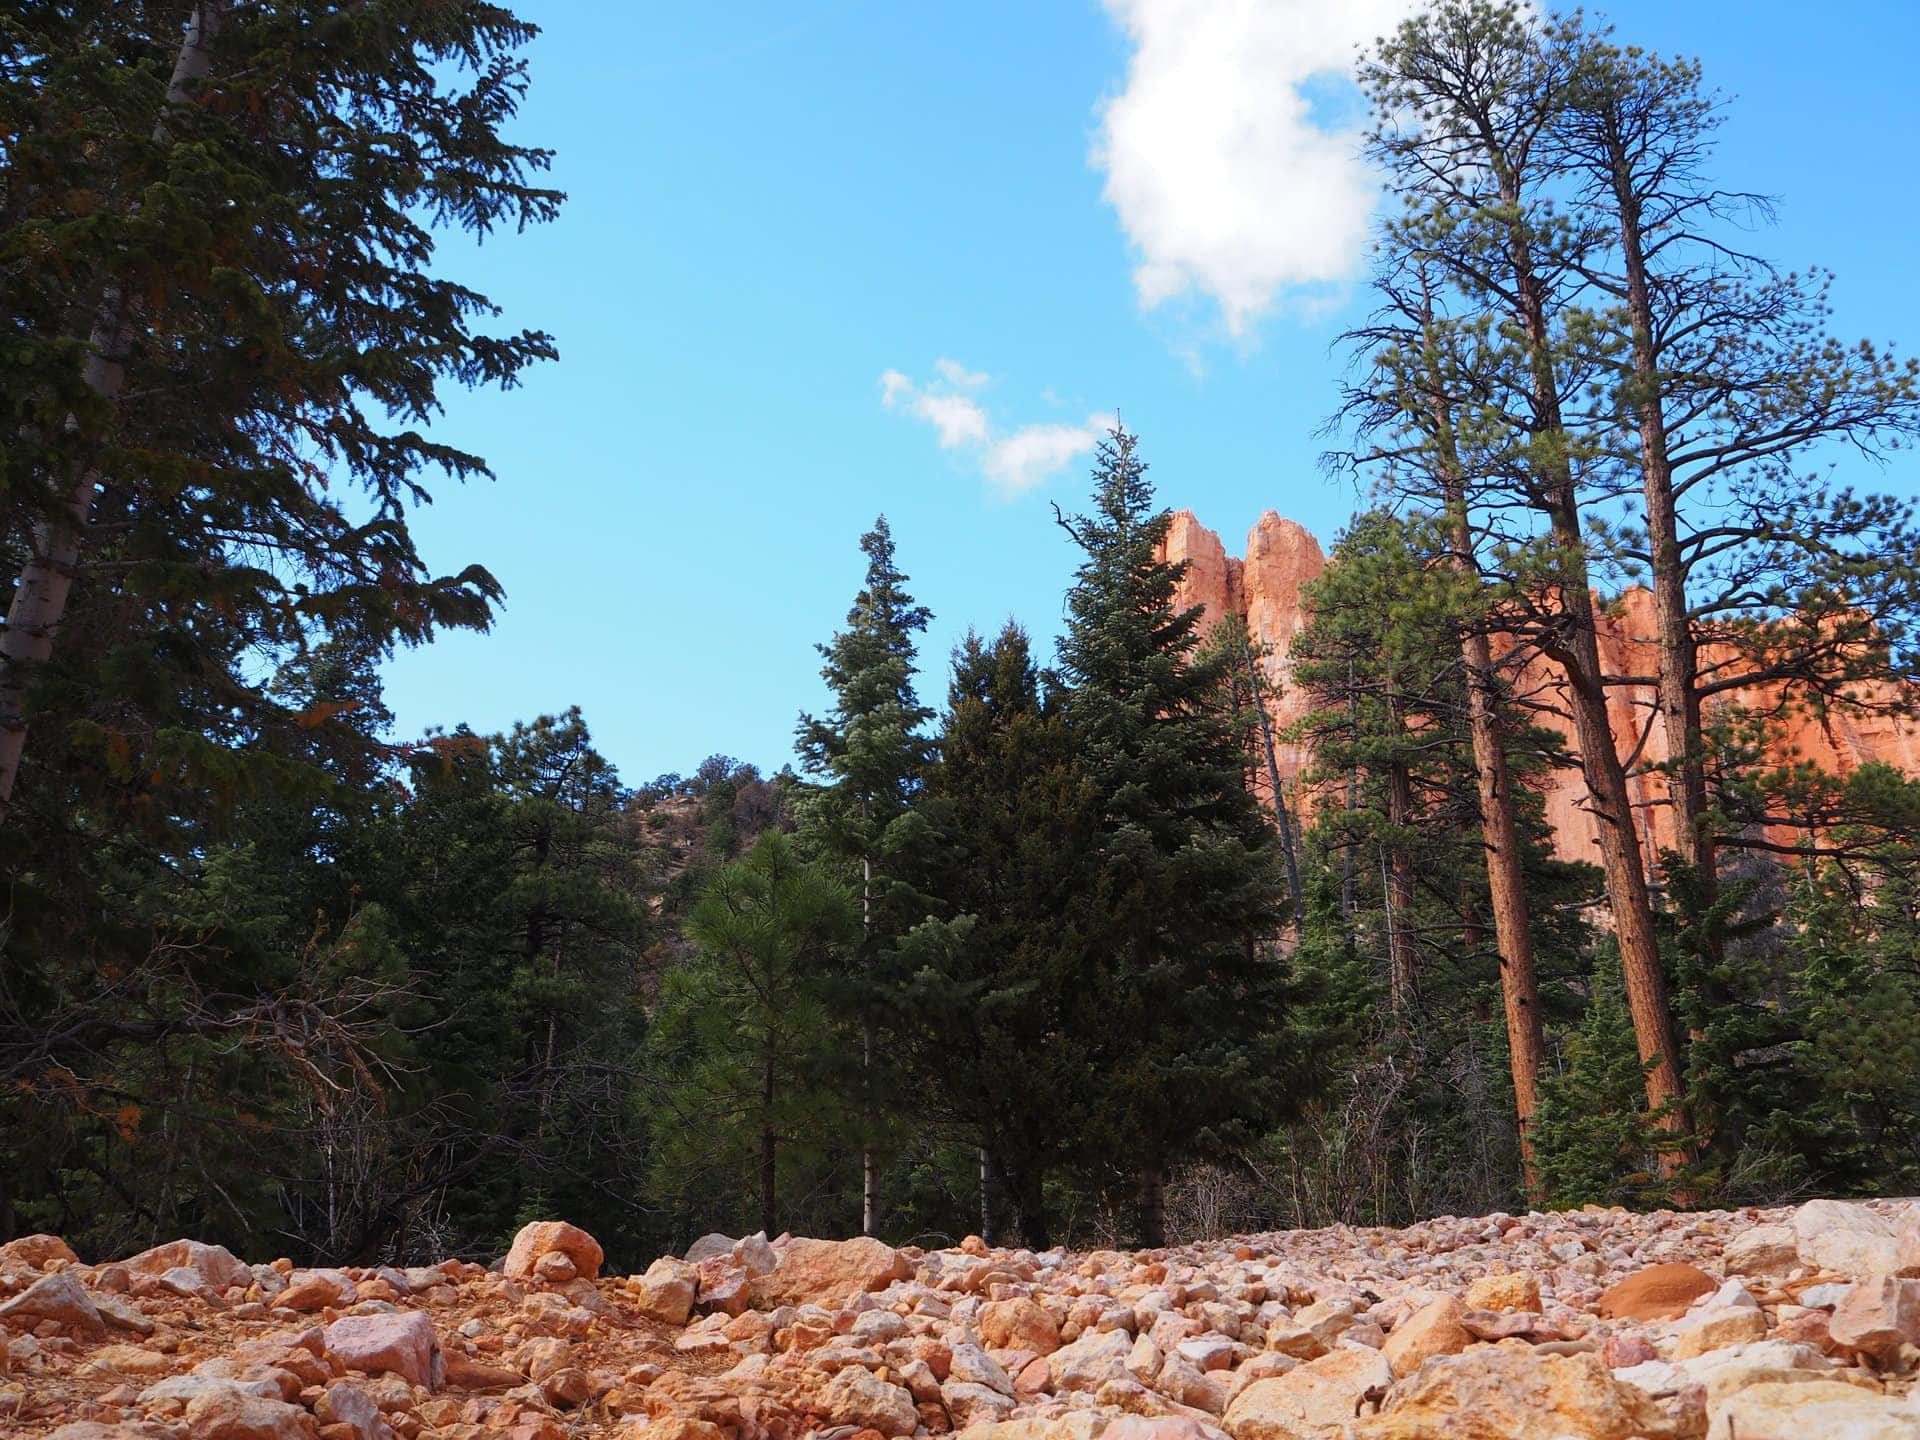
x=1282, y=556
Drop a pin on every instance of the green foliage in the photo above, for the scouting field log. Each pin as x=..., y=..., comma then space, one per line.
x=739, y=1061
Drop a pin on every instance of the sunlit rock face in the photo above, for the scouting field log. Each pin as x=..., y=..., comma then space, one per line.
x=1282, y=557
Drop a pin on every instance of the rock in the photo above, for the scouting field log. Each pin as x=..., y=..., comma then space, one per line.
x=1091, y=1361
x=544, y=1237
x=1716, y=1329
x=1850, y=1239
x=1511, y=1392
x=402, y=1345
x=1019, y=1324
x=1433, y=1329
x=972, y=1365
x=1659, y=1292
x=665, y=1293
x=1763, y=1250
x=316, y=1290
x=1818, y=1410
x=1310, y=1402
x=466, y=1372
x=710, y=1247
x=1509, y=1292
x=36, y=1252
x=1878, y=1317
x=972, y=1404
x=828, y=1272
x=179, y=1390
x=1163, y=1427
x=856, y=1396
x=1723, y=1372
x=218, y=1268
x=59, y=1298
x=229, y=1415
x=343, y=1403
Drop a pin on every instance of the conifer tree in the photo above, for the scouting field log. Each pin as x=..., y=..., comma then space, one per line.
x=1189, y=983
x=997, y=988
x=739, y=1036
x=867, y=759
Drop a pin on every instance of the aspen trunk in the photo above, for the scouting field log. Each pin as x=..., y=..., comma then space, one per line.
x=45, y=582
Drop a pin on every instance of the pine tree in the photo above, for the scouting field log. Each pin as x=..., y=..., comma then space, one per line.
x=737, y=1048
x=867, y=759
x=1188, y=981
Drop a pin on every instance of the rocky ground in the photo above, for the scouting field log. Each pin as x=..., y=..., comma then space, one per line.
x=1595, y=1325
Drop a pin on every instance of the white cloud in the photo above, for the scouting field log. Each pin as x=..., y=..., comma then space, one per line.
x=1018, y=462
x=1013, y=462
x=956, y=374
x=1224, y=178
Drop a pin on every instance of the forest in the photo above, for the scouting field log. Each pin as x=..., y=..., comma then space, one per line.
x=1031, y=940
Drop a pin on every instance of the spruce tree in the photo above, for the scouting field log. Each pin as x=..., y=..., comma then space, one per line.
x=996, y=991
x=867, y=758
x=1187, y=976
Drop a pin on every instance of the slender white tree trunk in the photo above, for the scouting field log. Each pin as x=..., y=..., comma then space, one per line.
x=41, y=590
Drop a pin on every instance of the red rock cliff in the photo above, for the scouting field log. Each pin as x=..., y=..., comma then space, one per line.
x=1282, y=557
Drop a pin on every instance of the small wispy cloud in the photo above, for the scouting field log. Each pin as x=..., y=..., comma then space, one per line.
x=1012, y=462
x=1232, y=154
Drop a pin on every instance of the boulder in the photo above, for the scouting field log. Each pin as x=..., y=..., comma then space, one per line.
x=218, y=1267
x=1763, y=1250
x=344, y=1403
x=856, y=1396
x=665, y=1293
x=544, y=1237
x=1659, y=1292
x=1847, y=1238
x=1715, y=1330
x=1512, y=1392
x=1019, y=1324
x=230, y=1415
x=1310, y=1402
x=1819, y=1410
x=828, y=1272
x=1878, y=1317
x=1091, y=1361
x=1433, y=1329
x=1512, y=1291
x=400, y=1344
x=36, y=1252
x=60, y=1298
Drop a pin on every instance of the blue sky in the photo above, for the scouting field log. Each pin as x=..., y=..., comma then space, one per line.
x=772, y=207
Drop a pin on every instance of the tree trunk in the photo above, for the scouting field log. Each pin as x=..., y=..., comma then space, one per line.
x=1030, y=1201
x=1679, y=660
x=1282, y=818
x=1574, y=644
x=768, y=1149
x=869, y=1174
x=1153, y=1205
x=1499, y=829
x=986, y=1194
x=45, y=582
x=1403, y=963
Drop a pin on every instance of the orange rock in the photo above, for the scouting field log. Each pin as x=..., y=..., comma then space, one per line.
x=1432, y=1330
x=1659, y=1292
x=828, y=1272
x=545, y=1236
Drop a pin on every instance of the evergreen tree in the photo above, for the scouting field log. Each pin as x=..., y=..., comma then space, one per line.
x=996, y=995
x=867, y=759
x=1187, y=980
x=739, y=1064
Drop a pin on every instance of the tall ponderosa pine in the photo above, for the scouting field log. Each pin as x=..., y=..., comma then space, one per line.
x=1191, y=990
x=1466, y=97
x=867, y=758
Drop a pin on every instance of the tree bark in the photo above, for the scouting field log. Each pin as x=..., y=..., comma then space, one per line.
x=1153, y=1205
x=769, y=1153
x=1282, y=818
x=1403, y=962
x=1678, y=656
x=1030, y=1203
x=986, y=1194
x=1499, y=829
x=1573, y=642
x=45, y=582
